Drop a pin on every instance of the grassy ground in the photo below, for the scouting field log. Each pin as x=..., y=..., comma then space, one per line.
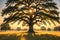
x=29, y=36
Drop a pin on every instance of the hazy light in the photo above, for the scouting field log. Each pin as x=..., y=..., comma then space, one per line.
x=31, y=11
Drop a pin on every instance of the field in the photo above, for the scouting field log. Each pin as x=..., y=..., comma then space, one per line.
x=21, y=35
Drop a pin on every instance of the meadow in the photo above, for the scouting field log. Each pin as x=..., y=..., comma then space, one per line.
x=21, y=35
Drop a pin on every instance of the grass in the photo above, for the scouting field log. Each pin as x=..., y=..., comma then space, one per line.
x=42, y=37
x=9, y=37
x=28, y=36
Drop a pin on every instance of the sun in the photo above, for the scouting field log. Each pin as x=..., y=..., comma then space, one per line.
x=31, y=11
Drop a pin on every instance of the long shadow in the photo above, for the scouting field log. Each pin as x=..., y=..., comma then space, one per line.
x=9, y=37
x=29, y=36
x=32, y=36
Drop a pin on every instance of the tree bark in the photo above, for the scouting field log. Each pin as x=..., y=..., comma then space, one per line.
x=31, y=29
x=31, y=25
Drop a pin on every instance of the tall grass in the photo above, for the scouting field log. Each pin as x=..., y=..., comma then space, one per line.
x=29, y=36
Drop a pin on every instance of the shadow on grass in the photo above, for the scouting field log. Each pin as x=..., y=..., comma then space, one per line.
x=29, y=36
x=42, y=37
x=9, y=37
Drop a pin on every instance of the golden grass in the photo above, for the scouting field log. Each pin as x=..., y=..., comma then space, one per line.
x=22, y=35
x=56, y=33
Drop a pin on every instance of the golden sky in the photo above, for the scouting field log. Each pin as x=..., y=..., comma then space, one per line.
x=2, y=6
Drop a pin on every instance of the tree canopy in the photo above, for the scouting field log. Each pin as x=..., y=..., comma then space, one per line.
x=5, y=26
x=31, y=11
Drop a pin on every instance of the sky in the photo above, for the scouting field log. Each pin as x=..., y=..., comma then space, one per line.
x=2, y=6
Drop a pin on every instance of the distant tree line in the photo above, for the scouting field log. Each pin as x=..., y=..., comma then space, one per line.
x=57, y=28
x=44, y=29
x=6, y=26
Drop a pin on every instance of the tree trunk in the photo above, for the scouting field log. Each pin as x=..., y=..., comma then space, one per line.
x=31, y=29
x=31, y=25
